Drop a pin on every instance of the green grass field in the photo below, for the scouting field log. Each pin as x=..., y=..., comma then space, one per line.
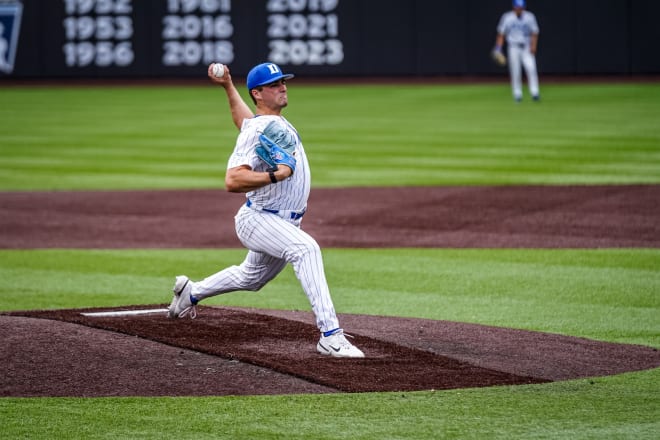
x=166, y=137
x=180, y=137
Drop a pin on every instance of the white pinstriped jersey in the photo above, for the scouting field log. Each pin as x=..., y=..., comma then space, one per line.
x=518, y=30
x=289, y=194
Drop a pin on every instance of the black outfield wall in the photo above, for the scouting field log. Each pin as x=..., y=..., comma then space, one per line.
x=178, y=38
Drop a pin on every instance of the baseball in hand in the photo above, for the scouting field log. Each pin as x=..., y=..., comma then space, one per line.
x=218, y=70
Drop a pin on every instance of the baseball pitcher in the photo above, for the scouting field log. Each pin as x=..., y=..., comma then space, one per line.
x=270, y=167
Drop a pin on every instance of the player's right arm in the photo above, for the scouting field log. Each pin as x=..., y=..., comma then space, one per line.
x=499, y=41
x=242, y=179
x=501, y=31
x=239, y=108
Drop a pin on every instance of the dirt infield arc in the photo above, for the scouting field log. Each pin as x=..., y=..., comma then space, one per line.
x=453, y=217
x=231, y=351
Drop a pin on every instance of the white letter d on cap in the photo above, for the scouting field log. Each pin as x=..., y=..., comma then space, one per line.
x=273, y=69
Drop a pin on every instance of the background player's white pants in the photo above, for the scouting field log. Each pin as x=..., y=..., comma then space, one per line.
x=520, y=58
x=273, y=242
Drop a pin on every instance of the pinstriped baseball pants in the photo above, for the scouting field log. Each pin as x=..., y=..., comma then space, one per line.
x=273, y=242
x=519, y=58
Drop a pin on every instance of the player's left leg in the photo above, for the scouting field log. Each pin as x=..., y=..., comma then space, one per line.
x=529, y=63
x=281, y=239
x=307, y=261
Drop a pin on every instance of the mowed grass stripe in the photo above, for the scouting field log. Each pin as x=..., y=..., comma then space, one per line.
x=180, y=137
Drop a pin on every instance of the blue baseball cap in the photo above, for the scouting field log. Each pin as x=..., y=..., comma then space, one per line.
x=518, y=3
x=265, y=73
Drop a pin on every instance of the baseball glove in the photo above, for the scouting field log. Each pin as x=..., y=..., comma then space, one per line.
x=498, y=57
x=279, y=135
x=273, y=155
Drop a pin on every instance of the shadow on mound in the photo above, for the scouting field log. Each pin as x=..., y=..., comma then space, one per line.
x=251, y=351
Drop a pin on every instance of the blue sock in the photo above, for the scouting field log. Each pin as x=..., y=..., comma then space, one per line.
x=331, y=332
x=193, y=300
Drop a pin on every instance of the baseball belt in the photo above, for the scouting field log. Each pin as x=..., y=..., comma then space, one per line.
x=285, y=214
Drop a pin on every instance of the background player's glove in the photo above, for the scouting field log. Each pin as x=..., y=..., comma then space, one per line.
x=498, y=57
x=273, y=155
x=279, y=135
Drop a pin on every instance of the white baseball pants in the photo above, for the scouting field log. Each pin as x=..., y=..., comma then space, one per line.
x=273, y=242
x=519, y=58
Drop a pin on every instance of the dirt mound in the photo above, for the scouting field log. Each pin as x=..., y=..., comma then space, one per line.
x=248, y=351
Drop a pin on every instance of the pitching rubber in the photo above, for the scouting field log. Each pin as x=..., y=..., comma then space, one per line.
x=125, y=312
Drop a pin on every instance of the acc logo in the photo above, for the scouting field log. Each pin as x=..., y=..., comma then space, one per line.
x=10, y=25
x=277, y=155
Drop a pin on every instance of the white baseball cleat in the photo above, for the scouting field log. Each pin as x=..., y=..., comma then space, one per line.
x=337, y=345
x=182, y=303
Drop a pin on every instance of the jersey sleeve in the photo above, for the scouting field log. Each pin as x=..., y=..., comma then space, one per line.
x=501, y=26
x=533, y=25
x=245, y=149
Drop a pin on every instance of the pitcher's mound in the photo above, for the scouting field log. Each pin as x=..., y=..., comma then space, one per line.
x=251, y=351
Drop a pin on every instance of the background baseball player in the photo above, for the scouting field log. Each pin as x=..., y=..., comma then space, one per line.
x=521, y=30
x=269, y=165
